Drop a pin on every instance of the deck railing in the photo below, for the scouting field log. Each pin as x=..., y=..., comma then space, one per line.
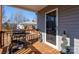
x=6, y=37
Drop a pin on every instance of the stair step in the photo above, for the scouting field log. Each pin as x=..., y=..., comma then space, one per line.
x=24, y=51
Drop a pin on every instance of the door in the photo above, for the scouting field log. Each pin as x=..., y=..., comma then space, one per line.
x=51, y=27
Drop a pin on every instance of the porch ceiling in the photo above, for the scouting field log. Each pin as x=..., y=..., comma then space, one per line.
x=35, y=8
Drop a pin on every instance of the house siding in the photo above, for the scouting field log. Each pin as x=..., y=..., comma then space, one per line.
x=68, y=20
x=41, y=24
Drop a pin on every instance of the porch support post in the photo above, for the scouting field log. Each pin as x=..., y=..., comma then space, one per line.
x=0, y=26
x=0, y=18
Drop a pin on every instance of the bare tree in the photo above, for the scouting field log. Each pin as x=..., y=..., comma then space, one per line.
x=19, y=18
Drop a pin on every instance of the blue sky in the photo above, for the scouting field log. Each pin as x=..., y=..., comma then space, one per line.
x=10, y=11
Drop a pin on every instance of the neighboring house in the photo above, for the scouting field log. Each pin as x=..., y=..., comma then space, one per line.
x=64, y=20
x=27, y=24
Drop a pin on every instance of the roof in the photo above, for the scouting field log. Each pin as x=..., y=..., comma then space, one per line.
x=35, y=8
x=29, y=23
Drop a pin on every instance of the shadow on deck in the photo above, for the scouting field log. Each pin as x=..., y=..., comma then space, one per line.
x=38, y=48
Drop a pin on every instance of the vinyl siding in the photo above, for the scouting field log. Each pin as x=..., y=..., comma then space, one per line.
x=41, y=25
x=68, y=20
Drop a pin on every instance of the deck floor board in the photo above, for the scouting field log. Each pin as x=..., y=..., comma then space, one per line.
x=45, y=49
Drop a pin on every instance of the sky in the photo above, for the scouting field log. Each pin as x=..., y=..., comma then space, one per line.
x=9, y=11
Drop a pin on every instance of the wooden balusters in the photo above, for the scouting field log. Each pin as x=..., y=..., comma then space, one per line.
x=31, y=36
x=5, y=38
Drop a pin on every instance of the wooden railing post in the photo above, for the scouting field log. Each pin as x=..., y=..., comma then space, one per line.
x=0, y=25
x=0, y=39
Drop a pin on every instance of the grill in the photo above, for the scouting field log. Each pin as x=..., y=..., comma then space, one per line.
x=18, y=41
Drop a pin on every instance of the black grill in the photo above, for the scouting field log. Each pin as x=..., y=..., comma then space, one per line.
x=18, y=41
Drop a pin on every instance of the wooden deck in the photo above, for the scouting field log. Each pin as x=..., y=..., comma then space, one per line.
x=45, y=49
x=1, y=50
x=24, y=51
x=38, y=48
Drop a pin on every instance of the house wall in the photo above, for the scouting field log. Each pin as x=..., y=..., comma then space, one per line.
x=41, y=24
x=68, y=20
